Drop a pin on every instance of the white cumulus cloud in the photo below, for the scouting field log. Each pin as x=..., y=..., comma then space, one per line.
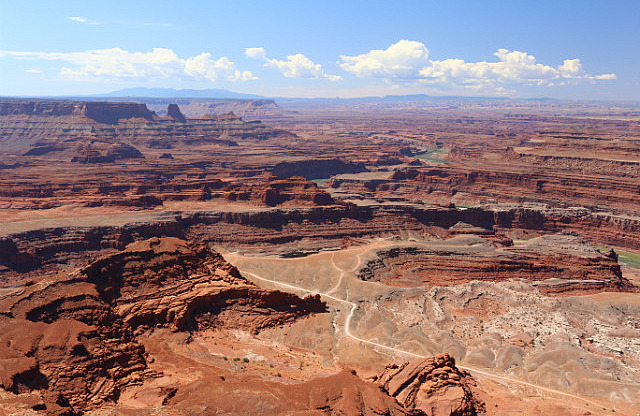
x=296, y=66
x=409, y=61
x=512, y=67
x=205, y=66
x=401, y=60
x=256, y=53
x=82, y=20
x=117, y=63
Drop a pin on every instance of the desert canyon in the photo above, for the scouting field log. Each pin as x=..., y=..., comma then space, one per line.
x=321, y=257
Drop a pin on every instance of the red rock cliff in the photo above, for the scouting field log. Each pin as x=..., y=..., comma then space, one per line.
x=102, y=112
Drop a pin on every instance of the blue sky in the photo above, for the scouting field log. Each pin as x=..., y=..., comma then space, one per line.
x=562, y=49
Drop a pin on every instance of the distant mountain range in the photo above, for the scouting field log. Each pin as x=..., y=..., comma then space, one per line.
x=137, y=93
x=173, y=93
x=408, y=98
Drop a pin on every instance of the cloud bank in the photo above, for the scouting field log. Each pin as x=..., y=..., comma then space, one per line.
x=409, y=61
x=296, y=66
x=405, y=64
x=117, y=63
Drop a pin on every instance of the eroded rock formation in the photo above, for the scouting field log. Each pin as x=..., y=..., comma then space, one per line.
x=343, y=393
x=102, y=112
x=560, y=264
x=432, y=386
x=72, y=336
x=168, y=282
x=396, y=174
x=60, y=337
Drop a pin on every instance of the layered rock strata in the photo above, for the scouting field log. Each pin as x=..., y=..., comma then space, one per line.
x=560, y=264
x=308, y=228
x=432, y=386
x=53, y=127
x=168, y=282
x=71, y=336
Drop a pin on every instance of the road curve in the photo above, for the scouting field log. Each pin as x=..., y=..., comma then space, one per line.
x=347, y=331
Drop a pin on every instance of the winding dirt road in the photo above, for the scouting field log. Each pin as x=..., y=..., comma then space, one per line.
x=475, y=371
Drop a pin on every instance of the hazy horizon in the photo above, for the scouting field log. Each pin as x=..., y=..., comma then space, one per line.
x=234, y=95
